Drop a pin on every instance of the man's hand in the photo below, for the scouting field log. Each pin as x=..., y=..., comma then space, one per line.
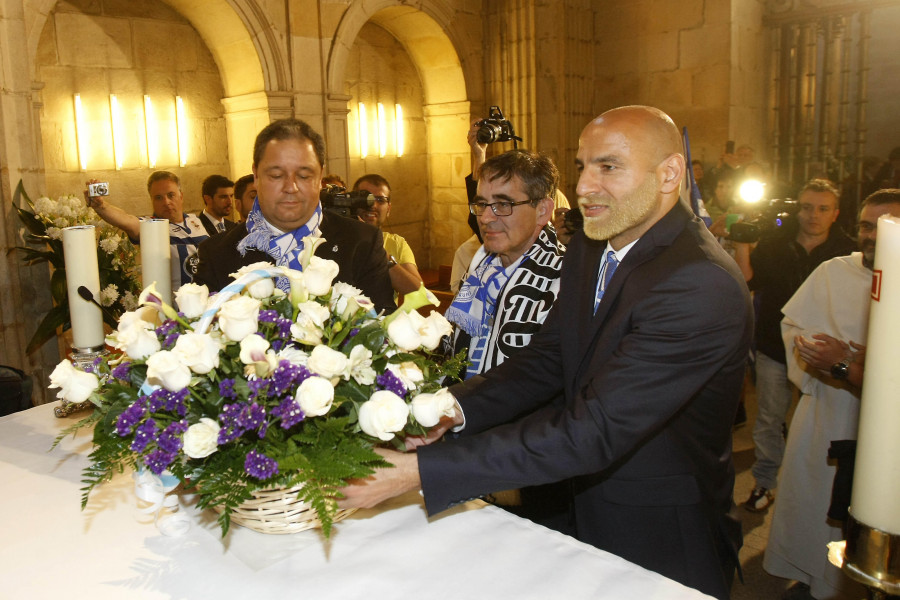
x=479, y=151
x=435, y=433
x=821, y=351
x=385, y=483
x=95, y=202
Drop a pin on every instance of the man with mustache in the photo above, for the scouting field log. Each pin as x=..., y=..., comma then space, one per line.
x=824, y=329
x=646, y=343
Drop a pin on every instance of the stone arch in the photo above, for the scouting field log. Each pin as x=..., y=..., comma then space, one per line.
x=439, y=48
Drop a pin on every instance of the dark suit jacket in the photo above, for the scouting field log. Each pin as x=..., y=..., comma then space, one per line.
x=211, y=229
x=651, y=386
x=356, y=247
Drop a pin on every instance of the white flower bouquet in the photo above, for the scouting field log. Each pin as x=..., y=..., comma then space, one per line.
x=116, y=259
x=254, y=389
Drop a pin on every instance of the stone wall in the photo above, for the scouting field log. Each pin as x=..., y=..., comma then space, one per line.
x=129, y=49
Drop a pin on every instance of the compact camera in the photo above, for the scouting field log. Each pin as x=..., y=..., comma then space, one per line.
x=98, y=189
x=495, y=128
x=336, y=199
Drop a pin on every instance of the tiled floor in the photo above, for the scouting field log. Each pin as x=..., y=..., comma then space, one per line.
x=758, y=585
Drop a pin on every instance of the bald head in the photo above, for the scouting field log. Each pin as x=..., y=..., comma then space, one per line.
x=632, y=166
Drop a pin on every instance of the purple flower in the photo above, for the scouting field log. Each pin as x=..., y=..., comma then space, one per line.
x=268, y=316
x=289, y=412
x=389, y=381
x=129, y=418
x=260, y=466
x=226, y=389
x=145, y=433
x=170, y=439
x=228, y=420
x=251, y=417
x=257, y=387
x=122, y=371
x=159, y=460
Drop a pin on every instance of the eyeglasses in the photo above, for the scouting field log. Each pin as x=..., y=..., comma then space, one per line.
x=382, y=199
x=501, y=209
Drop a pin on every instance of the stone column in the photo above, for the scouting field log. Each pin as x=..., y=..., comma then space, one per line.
x=336, y=136
x=449, y=161
x=245, y=116
x=24, y=291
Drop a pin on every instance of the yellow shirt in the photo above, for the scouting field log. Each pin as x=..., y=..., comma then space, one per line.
x=396, y=247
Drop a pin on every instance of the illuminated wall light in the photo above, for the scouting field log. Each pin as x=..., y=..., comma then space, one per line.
x=363, y=132
x=115, y=121
x=382, y=131
x=151, y=133
x=80, y=132
x=399, y=133
x=181, y=124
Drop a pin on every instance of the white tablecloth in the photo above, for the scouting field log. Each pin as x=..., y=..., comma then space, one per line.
x=52, y=549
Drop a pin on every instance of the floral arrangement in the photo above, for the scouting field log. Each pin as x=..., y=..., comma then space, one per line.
x=254, y=388
x=116, y=259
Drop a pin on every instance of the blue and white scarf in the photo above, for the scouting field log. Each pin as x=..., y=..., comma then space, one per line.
x=284, y=248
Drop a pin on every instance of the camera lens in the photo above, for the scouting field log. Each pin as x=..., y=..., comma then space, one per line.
x=488, y=133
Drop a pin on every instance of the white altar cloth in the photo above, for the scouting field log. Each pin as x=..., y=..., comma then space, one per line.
x=52, y=549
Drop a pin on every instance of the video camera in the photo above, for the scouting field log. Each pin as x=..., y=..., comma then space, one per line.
x=495, y=128
x=773, y=216
x=337, y=200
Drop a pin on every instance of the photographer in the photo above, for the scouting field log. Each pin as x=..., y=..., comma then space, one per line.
x=774, y=269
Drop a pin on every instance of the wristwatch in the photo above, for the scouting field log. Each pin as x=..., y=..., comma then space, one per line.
x=392, y=262
x=841, y=370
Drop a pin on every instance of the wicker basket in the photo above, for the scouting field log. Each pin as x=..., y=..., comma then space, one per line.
x=279, y=511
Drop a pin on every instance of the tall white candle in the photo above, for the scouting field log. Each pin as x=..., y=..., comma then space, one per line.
x=80, y=250
x=156, y=261
x=876, y=480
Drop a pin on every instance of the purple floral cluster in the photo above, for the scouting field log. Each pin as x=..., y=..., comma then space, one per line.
x=161, y=399
x=282, y=327
x=226, y=389
x=122, y=371
x=390, y=382
x=168, y=331
x=260, y=466
x=289, y=412
x=168, y=443
x=239, y=418
x=281, y=381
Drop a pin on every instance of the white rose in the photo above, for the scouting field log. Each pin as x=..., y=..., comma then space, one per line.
x=310, y=335
x=384, y=414
x=199, y=351
x=432, y=329
x=346, y=300
x=165, y=369
x=201, y=439
x=314, y=313
x=145, y=314
x=319, y=275
x=408, y=373
x=138, y=340
x=327, y=362
x=191, y=299
x=315, y=396
x=295, y=356
x=359, y=365
x=262, y=288
x=74, y=385
x=429, y=408
x=253, y=349
x=403, y=331
x=238, y=317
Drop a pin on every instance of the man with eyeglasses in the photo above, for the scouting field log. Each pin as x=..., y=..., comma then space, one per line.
x=288, y=161
x=824, y=332
x=404, y=274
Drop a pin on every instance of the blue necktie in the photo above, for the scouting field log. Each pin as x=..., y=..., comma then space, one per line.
x=220, y=226
x=608, y=269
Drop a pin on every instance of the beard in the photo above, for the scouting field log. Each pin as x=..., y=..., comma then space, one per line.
x=621, y=215
x=867, y=247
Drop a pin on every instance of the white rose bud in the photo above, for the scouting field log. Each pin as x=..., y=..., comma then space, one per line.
x=74, y=385
x=403, y=331
x=138, y=341
x=432, y=329
x=315, y=396
x=201, y=439
x=191, y=299
x=253, y=349
x=239, y=317
x=199, y=351
x=327, y=362
x=261, y=288
x=165, y=369
x=384, y=414
x=429, y=408
x=319, y=275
